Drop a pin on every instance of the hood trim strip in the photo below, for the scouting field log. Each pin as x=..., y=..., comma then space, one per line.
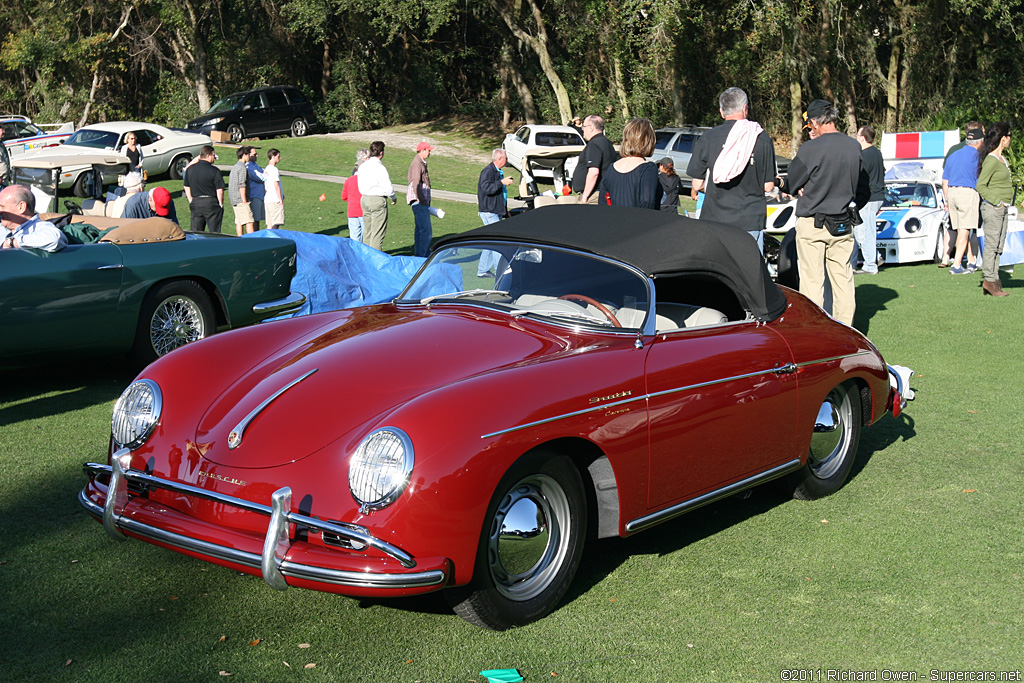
x=236, y=434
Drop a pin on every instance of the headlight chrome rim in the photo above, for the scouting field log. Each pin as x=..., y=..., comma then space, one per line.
x=136, y=414
x=380, y=468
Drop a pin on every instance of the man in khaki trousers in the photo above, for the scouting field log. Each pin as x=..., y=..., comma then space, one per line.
x=827, y=175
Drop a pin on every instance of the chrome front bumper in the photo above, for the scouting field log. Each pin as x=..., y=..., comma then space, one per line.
x=271, y=562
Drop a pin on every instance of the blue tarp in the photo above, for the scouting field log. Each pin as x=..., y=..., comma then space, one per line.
x=338, y=272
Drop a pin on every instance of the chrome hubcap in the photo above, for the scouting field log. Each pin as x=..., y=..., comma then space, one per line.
x=528, y=541
x=176, y=322
x=831, y=436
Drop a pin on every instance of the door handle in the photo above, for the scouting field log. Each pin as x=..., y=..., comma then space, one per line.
x=787, y=369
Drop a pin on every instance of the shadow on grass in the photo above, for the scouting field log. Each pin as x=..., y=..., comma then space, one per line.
x=35, y=393
x=871, y=299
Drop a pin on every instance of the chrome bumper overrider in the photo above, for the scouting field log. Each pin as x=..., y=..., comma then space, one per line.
x=272, y=561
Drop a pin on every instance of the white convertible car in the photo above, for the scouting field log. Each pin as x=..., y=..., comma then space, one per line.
x=164, y=150
x=544, y=152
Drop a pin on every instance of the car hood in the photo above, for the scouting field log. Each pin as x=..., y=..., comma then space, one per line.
x=350, y=375
x=200, y=120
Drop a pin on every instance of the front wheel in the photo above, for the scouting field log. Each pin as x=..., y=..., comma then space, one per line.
x=173, y=315
x=236, y=133
x=833, y=445
x=83, y=185
x=299, y=128
x=530, y=546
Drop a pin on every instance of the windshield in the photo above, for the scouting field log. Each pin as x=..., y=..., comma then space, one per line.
x=910, y=194
x=558, y=139
x=227, y=104
x=99, y=139
x=543, y=282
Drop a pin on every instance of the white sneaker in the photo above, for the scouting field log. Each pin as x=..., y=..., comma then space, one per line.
x=440, y=213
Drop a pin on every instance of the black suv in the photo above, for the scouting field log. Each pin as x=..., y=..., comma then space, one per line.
x=258, y=113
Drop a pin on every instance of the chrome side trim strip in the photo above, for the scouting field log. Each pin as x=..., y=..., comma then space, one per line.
x=789, y=368
x=348, y=531
x=832, y=358
x=290, y=303
x=299, y=571
x=235, y=437
x=668, y=513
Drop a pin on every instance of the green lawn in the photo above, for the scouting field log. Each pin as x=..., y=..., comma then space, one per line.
x=917, y=564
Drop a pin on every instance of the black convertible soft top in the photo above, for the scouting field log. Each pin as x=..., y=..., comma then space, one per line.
x=656, y=242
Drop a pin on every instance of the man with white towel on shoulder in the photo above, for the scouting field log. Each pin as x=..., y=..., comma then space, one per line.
x=734, y=165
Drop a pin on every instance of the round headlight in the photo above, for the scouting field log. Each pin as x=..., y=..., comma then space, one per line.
x=380, y=468
x=136, y=414
x=912, y=225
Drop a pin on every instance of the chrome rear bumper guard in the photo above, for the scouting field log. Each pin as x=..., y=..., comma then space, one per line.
x=292, y=302
x=276, y=543
x=899, y=386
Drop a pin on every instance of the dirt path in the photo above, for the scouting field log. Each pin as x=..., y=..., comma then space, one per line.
x=454, y=138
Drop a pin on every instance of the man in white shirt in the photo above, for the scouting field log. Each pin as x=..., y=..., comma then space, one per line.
x=22, y=226
x=274, y=199
x=375, y=187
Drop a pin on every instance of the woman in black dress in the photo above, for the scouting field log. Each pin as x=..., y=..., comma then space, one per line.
x=632, y=180
x=131, y=150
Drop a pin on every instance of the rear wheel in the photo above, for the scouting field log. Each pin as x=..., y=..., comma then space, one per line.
x=833, y=445
x=173, y=315
x=178, y=165
x=299, y=127
x=530, y=546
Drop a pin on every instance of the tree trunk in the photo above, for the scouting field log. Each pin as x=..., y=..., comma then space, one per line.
x=525, y=96
x=325, y=74
x=796, y=108
x=539, y=44
x=620, y=88
x=892, y=88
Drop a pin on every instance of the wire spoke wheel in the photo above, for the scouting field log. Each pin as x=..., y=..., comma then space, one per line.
x=176, y=322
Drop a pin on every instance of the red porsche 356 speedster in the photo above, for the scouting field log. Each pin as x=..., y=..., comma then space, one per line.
x=472, y=434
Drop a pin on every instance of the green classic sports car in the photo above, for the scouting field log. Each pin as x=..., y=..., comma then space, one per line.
x=144, y=290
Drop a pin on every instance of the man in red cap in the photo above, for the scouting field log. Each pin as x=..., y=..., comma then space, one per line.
x=418, y=196
x=156, y=202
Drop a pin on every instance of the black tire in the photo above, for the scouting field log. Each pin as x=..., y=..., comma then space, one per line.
x=299, y=127
x=83, y=185
x=178, y=165
x=951, y=249
x=833, y=445
x=236, y=132
x=172, y=315
x=520, y=577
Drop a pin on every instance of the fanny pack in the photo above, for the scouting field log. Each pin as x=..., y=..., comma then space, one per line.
x=838, y=225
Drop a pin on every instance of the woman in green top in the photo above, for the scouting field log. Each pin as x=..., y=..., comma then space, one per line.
x=996, y=192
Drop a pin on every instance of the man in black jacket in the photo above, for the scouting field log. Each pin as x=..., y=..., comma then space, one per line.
x=491, y=199
x=827, y=175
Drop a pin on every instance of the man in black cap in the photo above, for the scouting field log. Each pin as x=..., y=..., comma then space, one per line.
x=827, y=175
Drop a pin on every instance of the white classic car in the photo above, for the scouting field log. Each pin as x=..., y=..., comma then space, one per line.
x=911, y=221
x=164, y=150
x=544, y=152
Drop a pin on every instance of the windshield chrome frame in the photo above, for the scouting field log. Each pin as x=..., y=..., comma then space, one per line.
x=649, y=322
